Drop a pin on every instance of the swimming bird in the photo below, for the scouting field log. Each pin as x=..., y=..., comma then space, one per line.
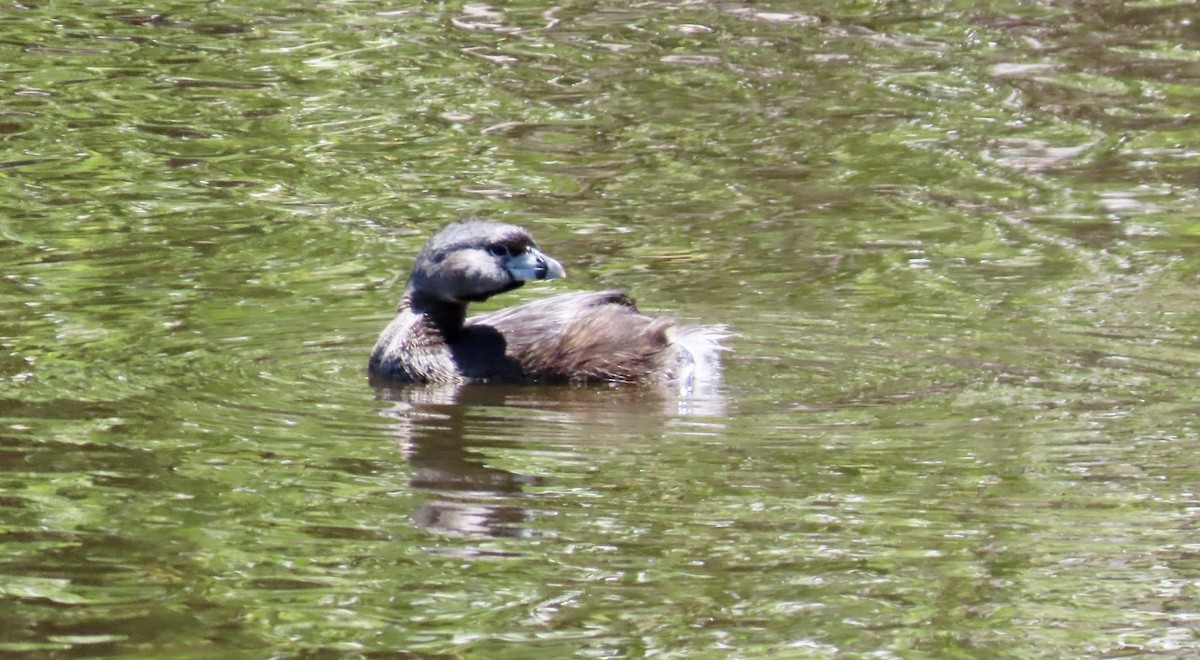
x=582, y=337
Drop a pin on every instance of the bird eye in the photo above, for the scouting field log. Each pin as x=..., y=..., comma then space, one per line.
x=498, y=250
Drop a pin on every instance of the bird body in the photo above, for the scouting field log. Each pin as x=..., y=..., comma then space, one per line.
x=574, y=337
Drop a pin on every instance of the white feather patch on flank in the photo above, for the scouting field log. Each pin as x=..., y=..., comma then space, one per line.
x=699, y=356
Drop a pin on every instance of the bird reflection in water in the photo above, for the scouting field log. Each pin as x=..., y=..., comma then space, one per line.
x=444, y=432
x=471, y=497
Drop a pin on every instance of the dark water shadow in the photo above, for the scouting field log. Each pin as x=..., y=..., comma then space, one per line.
x=447, y=434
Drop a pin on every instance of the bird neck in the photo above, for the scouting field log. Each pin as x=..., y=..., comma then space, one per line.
x=447, y=317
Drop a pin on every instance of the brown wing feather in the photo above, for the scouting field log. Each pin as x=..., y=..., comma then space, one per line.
x=587, y=336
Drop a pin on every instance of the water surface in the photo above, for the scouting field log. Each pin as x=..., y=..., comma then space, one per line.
x=956, y=242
